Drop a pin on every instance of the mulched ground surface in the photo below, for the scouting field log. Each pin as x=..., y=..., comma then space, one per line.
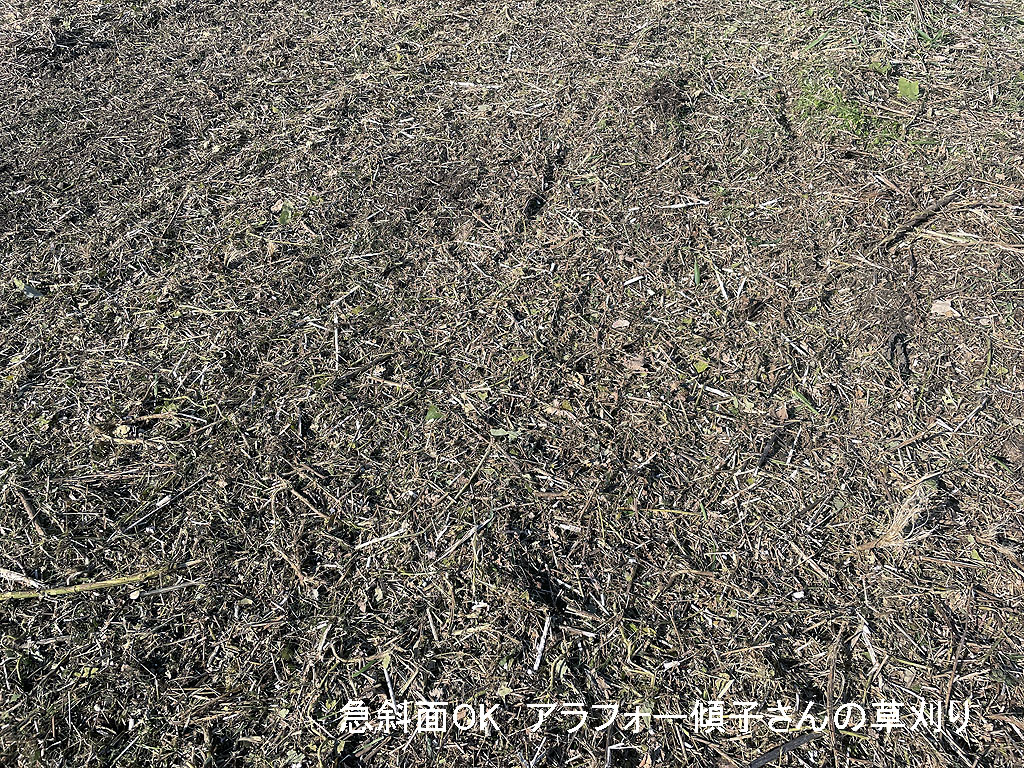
x=501, y=353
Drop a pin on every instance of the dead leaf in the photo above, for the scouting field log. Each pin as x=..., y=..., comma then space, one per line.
x=944, y=308
x=635, y=363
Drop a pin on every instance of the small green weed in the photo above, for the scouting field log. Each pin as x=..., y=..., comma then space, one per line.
x=821, y=100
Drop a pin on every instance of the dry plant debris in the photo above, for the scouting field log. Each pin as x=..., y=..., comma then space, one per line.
x=635, y=351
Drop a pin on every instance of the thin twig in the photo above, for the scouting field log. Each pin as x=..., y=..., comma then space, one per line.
x=920, y=218
x=540, y=646
x=30, y=510
x=789, y=746
x=74, y=589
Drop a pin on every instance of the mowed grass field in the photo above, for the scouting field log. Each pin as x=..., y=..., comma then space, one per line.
x=507, y=352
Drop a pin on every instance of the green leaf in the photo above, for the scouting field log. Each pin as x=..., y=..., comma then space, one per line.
x=434, y=413
x=805, y=401
x=700, y=365
x=287, y=212
x=909, y=89
x=814, y=42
